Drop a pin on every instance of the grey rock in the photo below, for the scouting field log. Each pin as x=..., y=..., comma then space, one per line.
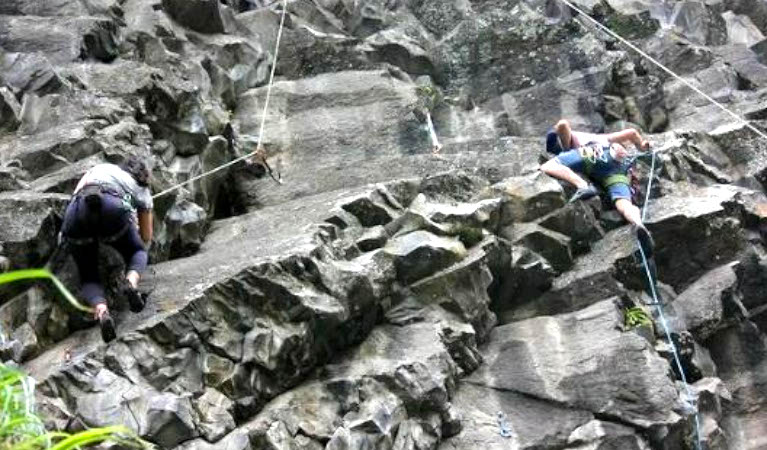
x=536, y=109
x=265, y=321
x=61, y=39
x=695, y=219
x=413, y=435
x=29, y=226
x=104, y=406
x=578, y=222
x=262, y=23
x=533, y=422
x=597, y=434
x=214, y=412
x=218, y=373
x=741, y=30
x=701, y=306
x=31, y=73
x=593, y=278
x=65, y=179
x=370, y=210
x=185, y=227
x=751, y=72
x=364, y=397
x=699, y=23
x=55, y=7
x=713, y=399
x=481, y=214
x=412, y=220
x=170, y=420
x=461, y=289
x=120, y=78
x=28, y=344
x=421, y=253
x=733, y=350
x=270, y=345
x=10, y=110
x=508, y=366
x=52, y=150
x=39, y=308
x=411, y=50
x=750, y=271
x=11, y=179
x=176, y=114
x=236, y=440
x=200, y=15
x=527, y=198
x=553, y=246
x=756, y=11
x=531, y=275
x=373, y=238
x=39, y=114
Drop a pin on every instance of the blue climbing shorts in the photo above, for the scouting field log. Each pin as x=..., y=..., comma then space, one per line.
x=618, y=191
x=571, y=159
x=574, y=161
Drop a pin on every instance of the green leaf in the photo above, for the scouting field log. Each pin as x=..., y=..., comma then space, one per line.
x=31, y=274
x=21, y=429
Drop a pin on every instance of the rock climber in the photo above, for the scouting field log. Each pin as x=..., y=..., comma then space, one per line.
x=111, y=205
x=562, y=137
x=603, y=158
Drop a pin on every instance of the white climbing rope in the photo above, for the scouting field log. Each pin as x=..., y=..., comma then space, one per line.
x=665, y=69
x=263, y=117
x=690, y=401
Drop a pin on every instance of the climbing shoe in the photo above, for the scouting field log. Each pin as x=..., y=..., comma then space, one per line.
x=584, y=193
x=135, y=299
x=107, y=324
x=645, y=241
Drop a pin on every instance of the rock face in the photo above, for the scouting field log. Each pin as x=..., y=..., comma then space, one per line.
x=384, y=297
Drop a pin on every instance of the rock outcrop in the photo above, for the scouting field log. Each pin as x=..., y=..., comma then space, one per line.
x=385, y=297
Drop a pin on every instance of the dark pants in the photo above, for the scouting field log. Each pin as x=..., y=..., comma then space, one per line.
x=111, y=221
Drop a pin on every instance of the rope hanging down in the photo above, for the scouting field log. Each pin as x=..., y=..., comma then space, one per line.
x=690, y=401
x=259, y=145
x=664, y=68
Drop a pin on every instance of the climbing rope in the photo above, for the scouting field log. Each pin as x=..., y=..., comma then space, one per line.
x=690, y=401
x=262, y=128
x=664, y=68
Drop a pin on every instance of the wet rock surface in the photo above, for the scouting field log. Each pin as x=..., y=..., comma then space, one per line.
x=386, y=297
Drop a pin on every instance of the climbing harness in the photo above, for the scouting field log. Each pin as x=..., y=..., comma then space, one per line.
x=100, y=189
x=259, y=146
x=594, y=153
x=689, y=400
x=503, y=425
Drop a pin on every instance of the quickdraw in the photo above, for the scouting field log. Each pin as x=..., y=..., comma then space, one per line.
x=503, y=424
x=259, y=153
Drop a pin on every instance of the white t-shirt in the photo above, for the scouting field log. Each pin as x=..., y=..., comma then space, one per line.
x=112, y=175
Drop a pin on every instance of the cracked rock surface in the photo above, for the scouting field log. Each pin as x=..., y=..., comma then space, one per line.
x=385, y=297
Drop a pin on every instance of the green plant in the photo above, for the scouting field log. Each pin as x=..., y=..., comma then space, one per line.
x=468, y=235
x=22, y=429
x=636, y=317
x=20, y=426
x=36, y=274
x=429, y=97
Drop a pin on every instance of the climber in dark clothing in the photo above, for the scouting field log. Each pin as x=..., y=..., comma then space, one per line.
x=603, y=159
x=111, y=205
